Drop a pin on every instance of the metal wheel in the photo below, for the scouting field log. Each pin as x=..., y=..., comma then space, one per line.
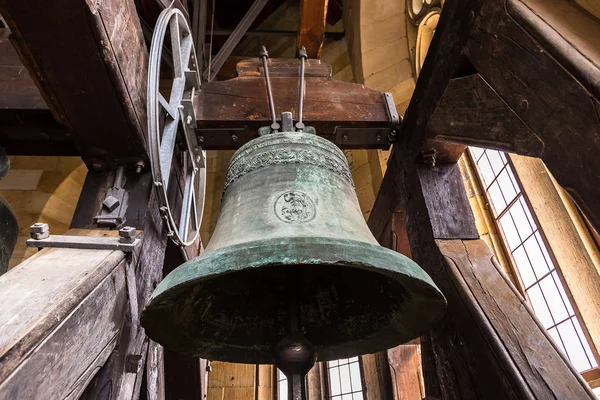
x=171, y=126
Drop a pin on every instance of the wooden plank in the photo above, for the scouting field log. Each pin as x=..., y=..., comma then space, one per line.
x=98, y=58
x=155, y=378
x=561, y=110
x=450, y=213
x=283, y=67
x=543, y=367
x=62, y=308
x=470, y=112
x=311, y=32
x=405, y=366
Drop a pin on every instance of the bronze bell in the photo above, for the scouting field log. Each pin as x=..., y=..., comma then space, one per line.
x=291, y=236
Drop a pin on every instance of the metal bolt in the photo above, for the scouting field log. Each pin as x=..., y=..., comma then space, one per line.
x=200, y=139
x=188, y=120
x=97, y=166
x=133, y=363
x=127, y=234
x=139, y=166
x=378, y=138
x=344, y=138
x=429, y=157
x=392, y=136
x=39, y=230
x=234, y=138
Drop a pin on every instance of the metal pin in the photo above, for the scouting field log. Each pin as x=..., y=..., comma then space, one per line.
x=303, y=56
x=264, y=55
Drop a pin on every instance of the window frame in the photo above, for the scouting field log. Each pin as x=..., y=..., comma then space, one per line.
x=327, y=379
x=589, y=375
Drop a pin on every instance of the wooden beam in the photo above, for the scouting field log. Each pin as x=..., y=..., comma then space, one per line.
x=470, y=112
x=17, y=88
x=551, y=113
x=560, y=101
x=92, y=70
x=60, y=320
x=183, y=374
x=489, y=344
x=332, y=107
x=34, y=133
x=311, y=32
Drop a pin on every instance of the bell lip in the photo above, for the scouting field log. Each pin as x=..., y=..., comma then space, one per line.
x=417, y=283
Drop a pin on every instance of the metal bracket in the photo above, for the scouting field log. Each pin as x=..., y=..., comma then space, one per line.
x=348, y=137
x=41, y=238
x=395, y=119
x=391, y=109
x=114, y=204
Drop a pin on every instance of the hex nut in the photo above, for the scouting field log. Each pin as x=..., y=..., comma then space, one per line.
x=39, y=230
x=127, y=234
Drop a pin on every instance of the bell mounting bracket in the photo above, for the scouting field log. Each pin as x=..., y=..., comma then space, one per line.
x=171, y=124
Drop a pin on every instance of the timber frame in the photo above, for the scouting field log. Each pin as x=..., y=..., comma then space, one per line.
x=524, y=67
x=482, y=58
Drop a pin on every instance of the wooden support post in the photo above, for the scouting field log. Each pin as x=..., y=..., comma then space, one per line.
x=405, y=366
x=311, y=32
x=185, y=376
x=117, y=378
x=489, y=344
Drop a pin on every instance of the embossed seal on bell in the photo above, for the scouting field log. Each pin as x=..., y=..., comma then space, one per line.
x=295, y=207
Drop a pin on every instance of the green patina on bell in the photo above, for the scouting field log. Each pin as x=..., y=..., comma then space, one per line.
x=289, y=208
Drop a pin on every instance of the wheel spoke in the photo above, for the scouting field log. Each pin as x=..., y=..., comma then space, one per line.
x=167, y=145
x=194, y=207
x=176, y=47
x=172, y=111
x=184, y=219
x=186, y=206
